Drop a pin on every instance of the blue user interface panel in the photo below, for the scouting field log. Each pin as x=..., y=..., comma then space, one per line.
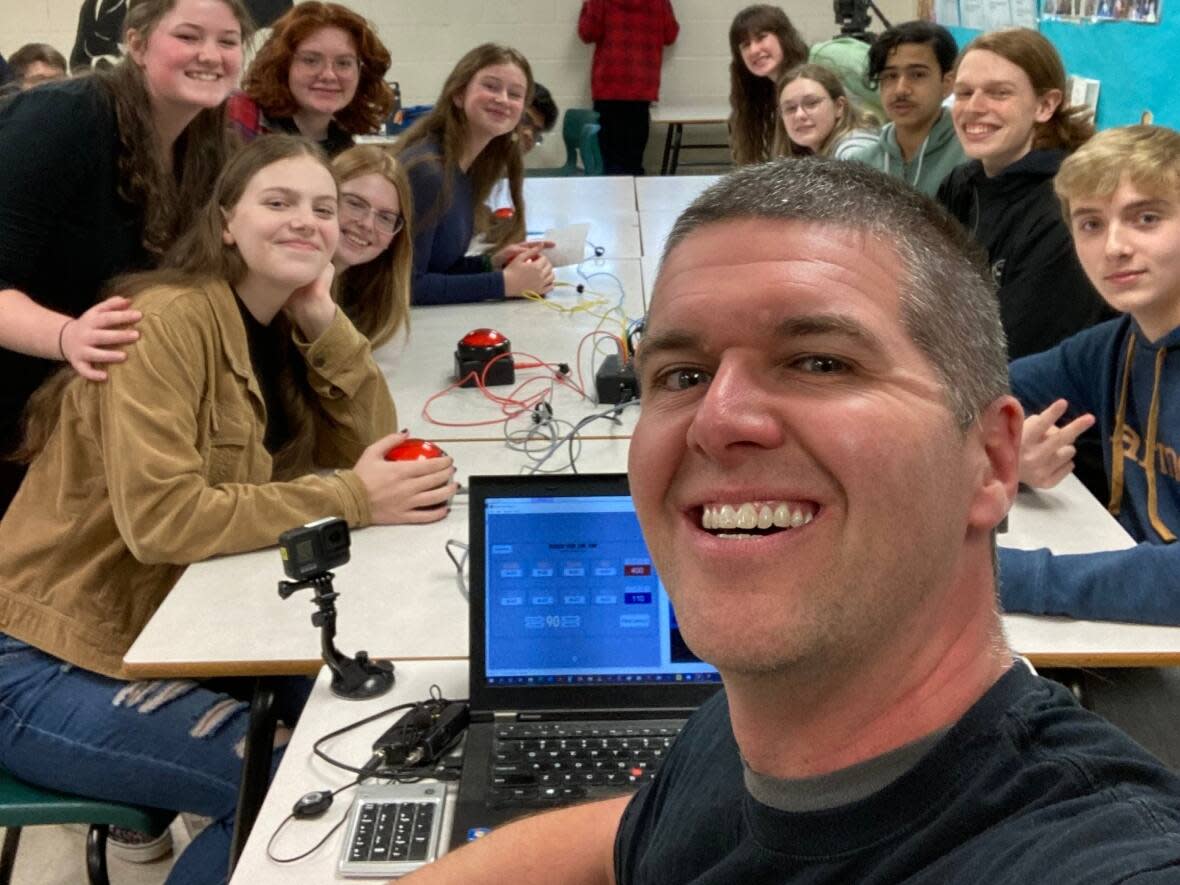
x=573, y=597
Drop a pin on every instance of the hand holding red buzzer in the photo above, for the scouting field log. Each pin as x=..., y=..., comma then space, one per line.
x=414, y=450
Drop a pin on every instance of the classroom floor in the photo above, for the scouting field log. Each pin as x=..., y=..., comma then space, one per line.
x=57, y=856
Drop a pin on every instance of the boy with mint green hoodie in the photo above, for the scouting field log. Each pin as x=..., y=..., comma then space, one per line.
x=912, y=65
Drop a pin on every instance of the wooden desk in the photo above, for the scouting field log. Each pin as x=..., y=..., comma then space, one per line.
x=676, y=117
x=588, y=195
x=419, y=367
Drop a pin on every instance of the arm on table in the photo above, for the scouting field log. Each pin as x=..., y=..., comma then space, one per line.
x=1139, y=585
x=574, y=846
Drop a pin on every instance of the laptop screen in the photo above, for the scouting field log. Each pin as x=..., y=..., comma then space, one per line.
x=573, y=597
x=565, y=595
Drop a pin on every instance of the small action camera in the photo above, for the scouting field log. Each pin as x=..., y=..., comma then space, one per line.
x=314, y=548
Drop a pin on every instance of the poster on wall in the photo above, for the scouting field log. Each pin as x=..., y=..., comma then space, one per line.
x=1143, y=11
x=988, y=15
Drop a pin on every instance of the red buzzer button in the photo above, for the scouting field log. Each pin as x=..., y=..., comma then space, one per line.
x=414, y=450
x=483, y=338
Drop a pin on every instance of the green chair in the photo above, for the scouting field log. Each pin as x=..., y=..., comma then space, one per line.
x=588, y=148
x=23, y=805
x=572, y=123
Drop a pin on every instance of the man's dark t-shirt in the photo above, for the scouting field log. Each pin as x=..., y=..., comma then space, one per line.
x=1026, y=788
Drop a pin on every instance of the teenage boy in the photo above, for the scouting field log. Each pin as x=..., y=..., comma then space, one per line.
x=1121, y=196
x=912, y=64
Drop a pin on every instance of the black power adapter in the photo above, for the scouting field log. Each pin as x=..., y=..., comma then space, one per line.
x=615, y=380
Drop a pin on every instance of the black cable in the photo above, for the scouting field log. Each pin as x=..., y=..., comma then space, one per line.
x=290, y=817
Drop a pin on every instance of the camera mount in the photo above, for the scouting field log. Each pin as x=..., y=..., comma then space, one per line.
x=352, y=678
x=308, y=551
x=854, y=18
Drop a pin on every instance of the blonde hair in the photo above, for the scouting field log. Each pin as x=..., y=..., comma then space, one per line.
x=376, y=295
x=849, y=120
x=1149, y=156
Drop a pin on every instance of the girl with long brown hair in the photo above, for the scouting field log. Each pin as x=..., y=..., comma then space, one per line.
x=99, y=173
x=763, y=44
x=321, y=74
x=1014, y=122
x=454, y=156
x=375, y=255
x=251, y=404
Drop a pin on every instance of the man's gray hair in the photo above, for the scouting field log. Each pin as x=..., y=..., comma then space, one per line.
x=948, y=299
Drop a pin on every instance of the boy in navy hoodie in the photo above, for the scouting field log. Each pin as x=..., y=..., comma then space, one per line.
x=1121, y=196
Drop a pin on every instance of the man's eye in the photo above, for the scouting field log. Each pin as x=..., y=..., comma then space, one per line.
x=1149, y=218
x=1088, y=225
x=682, y=379
x=822, y=365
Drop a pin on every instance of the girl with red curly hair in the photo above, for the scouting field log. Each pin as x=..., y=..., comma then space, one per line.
x=321, y=74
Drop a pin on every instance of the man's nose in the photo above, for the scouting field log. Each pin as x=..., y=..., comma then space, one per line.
x=736, y=413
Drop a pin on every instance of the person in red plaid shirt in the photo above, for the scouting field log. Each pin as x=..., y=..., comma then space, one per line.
x=629, y=37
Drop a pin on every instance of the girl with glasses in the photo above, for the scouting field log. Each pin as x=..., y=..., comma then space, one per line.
x=454, y=156
x=817, y=118
x=98, y=175
x=374, y=257
x=321, y=74
x=250, y=405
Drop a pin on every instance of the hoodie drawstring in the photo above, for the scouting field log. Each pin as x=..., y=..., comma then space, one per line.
x=1116, y=443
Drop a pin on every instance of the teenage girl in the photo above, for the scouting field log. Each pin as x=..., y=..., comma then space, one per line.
x=817, y=118
x=212, y=437
x=375, y=255
x=321, y=74
x=99, y=174
x=762, y=43
x=454, y=156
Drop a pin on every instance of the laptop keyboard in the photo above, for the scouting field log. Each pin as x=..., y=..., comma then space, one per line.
x=555, y=763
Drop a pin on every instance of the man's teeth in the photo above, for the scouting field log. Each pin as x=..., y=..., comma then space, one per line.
x=751, y=516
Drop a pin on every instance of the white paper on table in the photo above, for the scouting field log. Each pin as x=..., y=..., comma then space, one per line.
x=570, y=243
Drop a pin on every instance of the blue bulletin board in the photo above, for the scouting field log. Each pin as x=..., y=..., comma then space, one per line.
x=1134, y=62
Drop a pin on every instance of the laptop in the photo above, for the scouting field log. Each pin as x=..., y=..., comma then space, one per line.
x=579, y=678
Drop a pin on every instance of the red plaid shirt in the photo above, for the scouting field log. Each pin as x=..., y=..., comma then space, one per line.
x=630, y=36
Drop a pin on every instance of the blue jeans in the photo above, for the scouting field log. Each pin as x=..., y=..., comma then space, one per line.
x=170, y=743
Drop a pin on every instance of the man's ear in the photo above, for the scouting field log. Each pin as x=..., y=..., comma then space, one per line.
x=999, y=428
